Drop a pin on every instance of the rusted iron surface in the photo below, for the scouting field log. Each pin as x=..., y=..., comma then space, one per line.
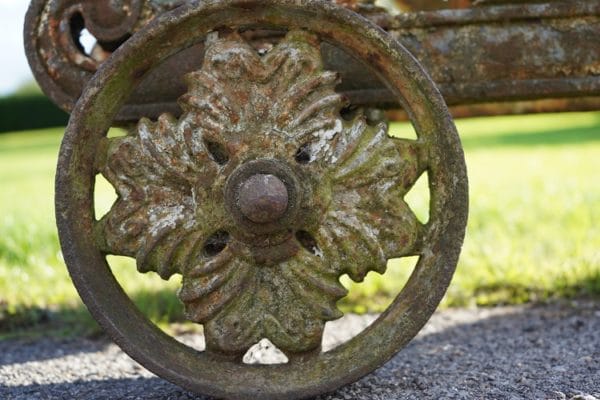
x=263, y=198
x=504, y=53
x=182, y=186
x=62, y=67
x=513, y=108
x=427, y=5
x=498, y=53
x=230, y=167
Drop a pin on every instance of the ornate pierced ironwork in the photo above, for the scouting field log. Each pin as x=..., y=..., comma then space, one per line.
x=261, y=195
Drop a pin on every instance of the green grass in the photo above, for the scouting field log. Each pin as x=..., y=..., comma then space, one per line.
x=533, y=234
x=534, y=223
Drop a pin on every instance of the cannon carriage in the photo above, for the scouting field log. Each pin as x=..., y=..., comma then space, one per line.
x=258, y=167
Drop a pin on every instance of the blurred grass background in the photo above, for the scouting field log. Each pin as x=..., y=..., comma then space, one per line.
x=533, y=233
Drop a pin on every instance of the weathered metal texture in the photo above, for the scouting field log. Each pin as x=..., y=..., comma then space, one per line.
x=428, y=5
x=262, y=160
x=503, y=53
x=182, y=183
x=262, y=198
x=514, y=108
x=62, y=67
x=499, y=53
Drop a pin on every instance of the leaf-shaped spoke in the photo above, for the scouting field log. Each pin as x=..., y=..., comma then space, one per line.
x=399, y=231
x=373, y=159
x=414, y=160
x=344, y=144
x=210, y=264
x=363, y=232
x=166, y=150
x=351, y=247
x=324, y=128
x=332, y=101
x=235, y=328
x=300, y=92
x=154, y=218
x=273, y=310
x=292, y=59
x=158, y=253
x=209, y=95
x=310, y=280
x=213, y=283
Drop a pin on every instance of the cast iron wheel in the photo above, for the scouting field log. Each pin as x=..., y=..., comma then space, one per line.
x=261, y=196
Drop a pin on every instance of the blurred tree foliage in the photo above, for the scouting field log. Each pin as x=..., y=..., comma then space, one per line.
x=28, y=108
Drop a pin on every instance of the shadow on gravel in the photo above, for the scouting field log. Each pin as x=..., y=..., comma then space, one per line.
x=29, y=350
x=528, y=352
x=127, y=388
x=531, y=352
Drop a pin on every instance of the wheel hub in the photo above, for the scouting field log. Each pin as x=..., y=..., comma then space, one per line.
x=263, y=198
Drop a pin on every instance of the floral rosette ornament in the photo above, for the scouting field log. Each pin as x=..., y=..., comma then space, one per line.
x=261, y=195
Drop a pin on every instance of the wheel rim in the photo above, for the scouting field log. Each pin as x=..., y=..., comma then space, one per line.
x=202, y=372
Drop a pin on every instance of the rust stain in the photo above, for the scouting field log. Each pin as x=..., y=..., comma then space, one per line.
x=488, y=52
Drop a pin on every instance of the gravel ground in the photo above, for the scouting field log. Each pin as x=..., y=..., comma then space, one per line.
x=532, y=352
